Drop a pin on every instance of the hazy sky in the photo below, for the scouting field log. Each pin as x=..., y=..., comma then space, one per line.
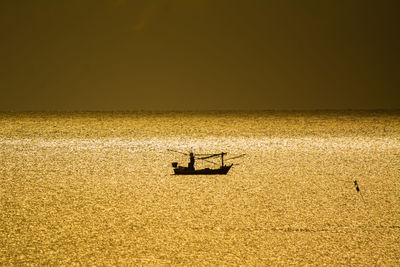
x=199, y=54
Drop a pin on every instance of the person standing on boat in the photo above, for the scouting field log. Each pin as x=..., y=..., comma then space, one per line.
x=191, y=163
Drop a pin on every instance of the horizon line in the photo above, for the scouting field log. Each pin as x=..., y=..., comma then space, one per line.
x=204, y=110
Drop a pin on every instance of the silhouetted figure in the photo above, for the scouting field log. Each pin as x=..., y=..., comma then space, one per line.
x=191, y=163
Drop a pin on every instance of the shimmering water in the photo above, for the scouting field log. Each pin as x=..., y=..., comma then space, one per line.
x=96, y=188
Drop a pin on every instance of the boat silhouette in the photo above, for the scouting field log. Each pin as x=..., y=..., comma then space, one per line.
x=191, y=170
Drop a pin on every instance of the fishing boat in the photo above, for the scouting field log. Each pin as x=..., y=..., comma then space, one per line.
x=191, y=170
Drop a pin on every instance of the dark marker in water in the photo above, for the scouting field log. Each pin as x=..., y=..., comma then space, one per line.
x=358, y=189
x=356, y=185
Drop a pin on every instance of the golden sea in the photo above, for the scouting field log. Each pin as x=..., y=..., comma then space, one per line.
x=97, y=189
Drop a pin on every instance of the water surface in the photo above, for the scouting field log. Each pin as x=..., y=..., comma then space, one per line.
x=96, y=188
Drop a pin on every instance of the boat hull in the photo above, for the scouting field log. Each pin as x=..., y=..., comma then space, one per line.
x=187, y=171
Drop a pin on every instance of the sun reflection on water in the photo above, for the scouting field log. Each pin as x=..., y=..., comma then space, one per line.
x=97, y=189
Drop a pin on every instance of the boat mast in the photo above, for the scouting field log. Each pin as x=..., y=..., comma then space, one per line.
x=222, y=159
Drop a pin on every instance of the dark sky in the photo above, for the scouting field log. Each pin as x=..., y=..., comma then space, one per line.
x=199, y=54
